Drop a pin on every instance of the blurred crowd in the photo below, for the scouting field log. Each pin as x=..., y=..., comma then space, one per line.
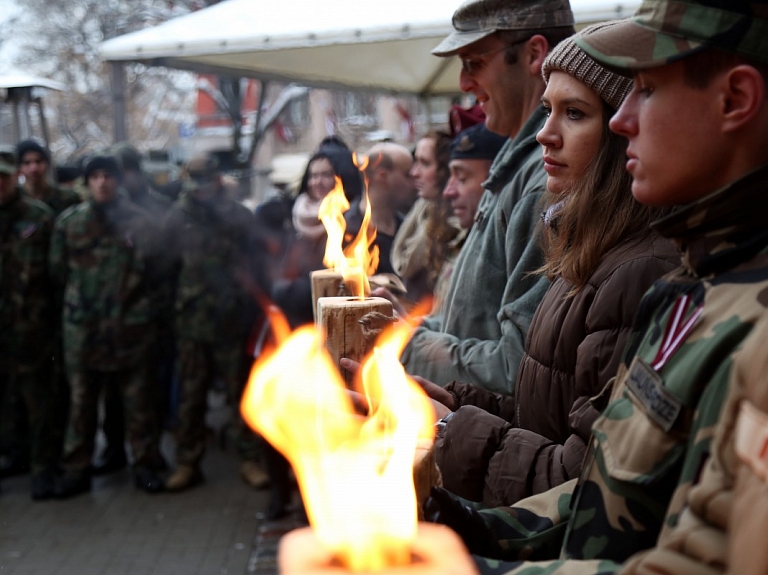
x=588, y=239
x=123, y=305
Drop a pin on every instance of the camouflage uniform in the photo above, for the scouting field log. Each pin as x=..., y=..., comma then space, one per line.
x=27, y=321
x=662, y=462
x=652, y=442
x=113, y=424
x=56, y=197
x=213, y=244
x=106, y=258
x=15, y=414
x=744, y=477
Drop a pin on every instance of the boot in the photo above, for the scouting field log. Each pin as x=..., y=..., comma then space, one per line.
x=113, y=459
x=43, y=485
x=252, y=473
x=11, y=465
x=148, y=480
x=71, y=484
x=184, y=477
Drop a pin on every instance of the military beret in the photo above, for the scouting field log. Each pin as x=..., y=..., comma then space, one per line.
x=476, y=143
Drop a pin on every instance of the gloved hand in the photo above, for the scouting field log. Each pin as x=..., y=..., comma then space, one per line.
x=445, y=508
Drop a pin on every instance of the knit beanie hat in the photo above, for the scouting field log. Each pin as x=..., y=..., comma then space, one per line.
x=569, y=58
x=101, y=162
x=127, y=156
x=30, y=146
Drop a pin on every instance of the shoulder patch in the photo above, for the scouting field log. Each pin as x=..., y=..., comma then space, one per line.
x=28, y=231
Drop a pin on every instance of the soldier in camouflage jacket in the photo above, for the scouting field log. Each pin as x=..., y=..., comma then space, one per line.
x=659, y=466
x=742, y=473
x=213, y=244
x=34, y=164
x=105, y=254
x=27, y=322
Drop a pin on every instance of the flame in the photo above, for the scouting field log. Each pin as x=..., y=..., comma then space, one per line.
x=360, y=258
x=355, y=473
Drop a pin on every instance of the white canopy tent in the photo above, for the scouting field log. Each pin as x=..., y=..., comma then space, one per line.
x=366, y=45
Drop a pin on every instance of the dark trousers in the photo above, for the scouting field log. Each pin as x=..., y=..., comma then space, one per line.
x=135, y=389
x=199, y=363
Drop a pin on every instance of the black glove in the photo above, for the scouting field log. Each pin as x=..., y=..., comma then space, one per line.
x=444, y=507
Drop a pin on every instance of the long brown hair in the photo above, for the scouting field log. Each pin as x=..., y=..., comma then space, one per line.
x=439, y=231
x=596, y=215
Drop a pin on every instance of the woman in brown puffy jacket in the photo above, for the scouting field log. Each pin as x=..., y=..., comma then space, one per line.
x=601, y=258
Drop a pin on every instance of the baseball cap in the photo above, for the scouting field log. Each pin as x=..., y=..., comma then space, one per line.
x=476, y=143
x=665, y=31
x=476, y=19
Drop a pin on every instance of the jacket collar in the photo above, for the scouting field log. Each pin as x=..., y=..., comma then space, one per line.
x=722, y=230
x=514, y=152
x=13, y=202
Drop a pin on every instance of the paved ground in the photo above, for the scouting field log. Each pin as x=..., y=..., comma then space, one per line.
x=213, y=529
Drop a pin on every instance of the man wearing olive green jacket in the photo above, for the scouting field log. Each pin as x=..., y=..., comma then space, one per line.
x=479, y=336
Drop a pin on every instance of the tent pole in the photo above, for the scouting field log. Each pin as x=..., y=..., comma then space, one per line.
x=43, y=122
x=26, y=124
x=427, y=100
x=435, y=77
x=16, y=121
x=257, y=132
x=117, y=81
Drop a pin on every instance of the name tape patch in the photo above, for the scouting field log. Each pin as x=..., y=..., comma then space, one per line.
x=648, y=387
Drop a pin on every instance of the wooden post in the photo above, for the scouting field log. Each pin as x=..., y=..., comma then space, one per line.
x=339, y=318
x=326, y=283
x=426, y=474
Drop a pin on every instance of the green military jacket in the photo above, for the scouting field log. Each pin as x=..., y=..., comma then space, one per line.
x=154, y=203
x=653, y=441
x=479, y=333
x=26, y=295
x=58, y=199
x=214, y=252
x=107, y=258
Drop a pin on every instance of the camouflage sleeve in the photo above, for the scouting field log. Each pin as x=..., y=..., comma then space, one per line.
x=559, y=567
x=534, y=528
x=57, y=255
